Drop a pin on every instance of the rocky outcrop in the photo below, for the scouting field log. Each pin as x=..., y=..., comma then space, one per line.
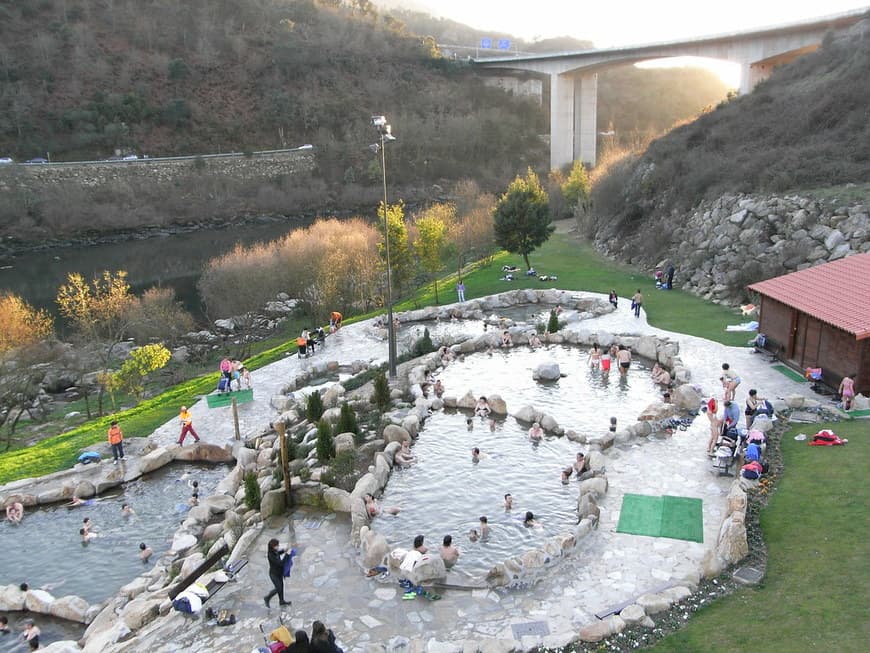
x=723, y=245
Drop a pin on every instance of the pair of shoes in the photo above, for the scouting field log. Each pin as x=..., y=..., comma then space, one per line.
x=266, y=601
x=115, y=462
x=180, y=443
x=285, y=603
x=122, y=457
x=196, y=440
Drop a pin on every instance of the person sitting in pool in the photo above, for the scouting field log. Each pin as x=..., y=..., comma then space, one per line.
x=535, y=341
x=469, y=424
x=508, y=502
x=660, y=375
x=76, y=501
x=530, y=521
x=127, y=511
x=193, y=500
x=566, y=475
x=438, y=388
x=536, y=433
x=144, y=552
x=580, y=465
x=373, y=509
x=475, y=455
x=31, y=634
x=449, y=552
x=482, y=408
x=404, y=455
x=484, y=527
x=87, y=524
x=15, y=512
x=473, y=535
x=506, y=340
x=87, y=536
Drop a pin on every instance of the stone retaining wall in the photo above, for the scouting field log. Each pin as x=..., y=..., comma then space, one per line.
x=260, y=165
x=723, y=245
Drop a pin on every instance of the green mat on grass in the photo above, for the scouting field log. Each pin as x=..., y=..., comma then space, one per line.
x=226, y=398
x=679, y=518
x=790, y=373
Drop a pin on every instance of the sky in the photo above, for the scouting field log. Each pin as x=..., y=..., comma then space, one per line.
x=631, y=22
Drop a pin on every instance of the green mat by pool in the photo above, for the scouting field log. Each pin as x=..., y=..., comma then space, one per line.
x=679, y=518
x=222, y=399
x=790, y=373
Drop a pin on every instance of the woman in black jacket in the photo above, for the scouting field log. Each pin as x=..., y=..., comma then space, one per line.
x=322, y=639
x=276, y=573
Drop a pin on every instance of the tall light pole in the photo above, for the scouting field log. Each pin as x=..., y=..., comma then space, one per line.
x=385, y=135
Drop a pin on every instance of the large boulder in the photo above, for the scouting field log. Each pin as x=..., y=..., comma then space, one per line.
x=12, y=599
x=430, y=568
x=343, y=442
x=273, y=502
x=548, y=371
x=598, y=630
x=686, y=397
x=497, y=405
x=596, y=486
x=38, y=601
x=204, y=451
x=732, y=545
x=396, y=433
x=336, y=499
x=140, y=612
x=154, y=460
x=468, y=401
x=190, y=564
x=71, y=608
x=219, y=503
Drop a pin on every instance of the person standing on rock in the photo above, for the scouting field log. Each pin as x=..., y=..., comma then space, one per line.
x=186, y=420
x=275, y=557
x=116, y=440
x=460, y=290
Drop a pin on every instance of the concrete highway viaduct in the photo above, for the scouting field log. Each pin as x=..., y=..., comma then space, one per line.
x=573, y=76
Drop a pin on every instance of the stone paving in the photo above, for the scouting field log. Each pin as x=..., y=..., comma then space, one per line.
x=606, y=569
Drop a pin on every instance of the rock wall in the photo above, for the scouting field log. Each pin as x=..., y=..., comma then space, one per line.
x=259, y=165
x=735, y=240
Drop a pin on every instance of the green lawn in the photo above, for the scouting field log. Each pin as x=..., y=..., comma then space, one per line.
x=814, y=596
x=577, y=265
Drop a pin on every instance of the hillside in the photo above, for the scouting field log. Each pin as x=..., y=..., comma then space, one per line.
x=805, y=127
x=88, y=79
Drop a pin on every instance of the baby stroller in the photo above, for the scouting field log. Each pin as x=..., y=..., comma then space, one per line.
x=276, y=638
x=727, y=451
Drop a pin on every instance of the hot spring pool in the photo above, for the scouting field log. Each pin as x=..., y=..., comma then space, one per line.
x=444, y=492
x=45, y=549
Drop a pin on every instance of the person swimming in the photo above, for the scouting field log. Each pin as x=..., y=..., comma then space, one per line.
x=530, y=521
x=484, y=527
x=144, y=552
x=536, y=433
x=508, y=502
x=475, y=455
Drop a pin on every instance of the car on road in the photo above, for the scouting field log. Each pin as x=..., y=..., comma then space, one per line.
x=37, y=160
x=4, y=160
x=131, y=157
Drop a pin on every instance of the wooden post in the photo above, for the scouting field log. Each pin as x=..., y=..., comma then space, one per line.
x=281, y=430
x=235, y=406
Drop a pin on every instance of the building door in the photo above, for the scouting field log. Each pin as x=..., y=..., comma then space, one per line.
x=812, y=340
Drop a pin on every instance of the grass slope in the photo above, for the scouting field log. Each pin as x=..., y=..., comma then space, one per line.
x=814, y=595
x=577, y=266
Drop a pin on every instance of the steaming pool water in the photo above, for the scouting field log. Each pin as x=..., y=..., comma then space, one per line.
x=45, y=549
x=444, y=492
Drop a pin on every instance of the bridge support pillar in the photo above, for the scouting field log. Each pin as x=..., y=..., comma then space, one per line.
x=573, y=119
x=751, y=74
x=586, y=119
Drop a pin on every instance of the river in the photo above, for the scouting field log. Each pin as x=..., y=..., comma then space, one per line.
x=168, y=260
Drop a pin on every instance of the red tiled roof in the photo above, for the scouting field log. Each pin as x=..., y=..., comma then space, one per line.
x=837, y=293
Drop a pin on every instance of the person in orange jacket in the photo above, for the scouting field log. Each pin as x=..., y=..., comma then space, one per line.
x=186, y=425
x=116, y=439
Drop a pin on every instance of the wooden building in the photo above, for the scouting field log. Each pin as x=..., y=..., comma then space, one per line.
x=820, y=317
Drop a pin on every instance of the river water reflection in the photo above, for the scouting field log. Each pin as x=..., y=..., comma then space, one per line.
x=174, y=261
x=445, y=492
